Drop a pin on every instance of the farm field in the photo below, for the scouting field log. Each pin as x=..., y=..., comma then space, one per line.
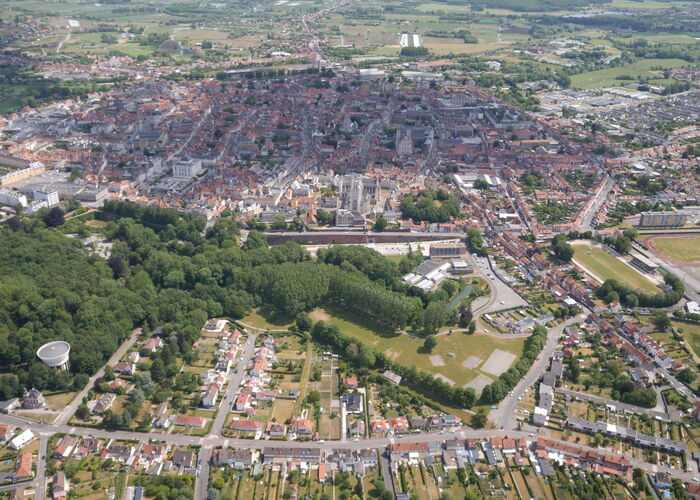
x=608, y=77
x=604, y=266
x=446, y=360
x=679, y=248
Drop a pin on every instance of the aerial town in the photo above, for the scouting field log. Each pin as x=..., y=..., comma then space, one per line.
x=320, y=250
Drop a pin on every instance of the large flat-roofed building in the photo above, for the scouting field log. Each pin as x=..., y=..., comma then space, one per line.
x=663, y=219
x=187, y=167
x=448, y=250
x=12, y=198
x=13, y=162
x=34, y=168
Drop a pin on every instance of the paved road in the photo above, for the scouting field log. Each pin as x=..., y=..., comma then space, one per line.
x=40, y=493
x=65, y=416
x=378, y=442
x=504, y=416
x=202, y=482
x=596, y=203
x=236, y=378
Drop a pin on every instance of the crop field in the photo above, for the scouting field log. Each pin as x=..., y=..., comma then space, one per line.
x=610, y=77
x=678, y=248
x=604, y=266
x=453, y=349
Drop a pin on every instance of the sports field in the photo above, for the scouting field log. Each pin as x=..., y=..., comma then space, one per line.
x=452, y=350
x=678, y=248
x=604, y=266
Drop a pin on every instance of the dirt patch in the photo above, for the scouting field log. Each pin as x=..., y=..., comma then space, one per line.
x=498, y=362
x=472, y=362
x=437, y=360
x=319, y=315
x=392, y=354
x=444, y=379
x=478, y=383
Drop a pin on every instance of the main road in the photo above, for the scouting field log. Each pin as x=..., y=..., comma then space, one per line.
x=210, y=442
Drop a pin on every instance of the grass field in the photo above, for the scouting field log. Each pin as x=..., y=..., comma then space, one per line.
x=681, y=248
x=405, y=349
x=691, y=334
x=604, y=266
x=262, y=318
x=607, y=77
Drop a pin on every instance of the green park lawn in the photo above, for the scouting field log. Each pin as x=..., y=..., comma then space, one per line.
x=406, y=349
x=691, y=334
x=262, y=318
x=608, y=77
x=605, y=266
x=681, y=248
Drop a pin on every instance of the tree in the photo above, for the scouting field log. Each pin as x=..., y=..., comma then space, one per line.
x=631, y=233
x=661, y=321
x=255, y=239
x=314, y=397
x=54, y=217
x=429, y=343
x=481, y=184
x=380, y=224
x=15, y=223
x=561, y=248
x=323, y=217
x=687, y=376
x=479, y=419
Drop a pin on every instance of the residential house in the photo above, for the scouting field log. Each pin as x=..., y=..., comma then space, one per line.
x=209, y=398
x=183, y=458
x=153, y=344
x=103, y=404
x=243, y=401
x=125, y=368
x=352, y=402
x=275, y=429
x=238, y=459
x=65, y=447
x=23, y=467
x=302, y=426
x=246, y=425
x=184, y=421
x=350, y=383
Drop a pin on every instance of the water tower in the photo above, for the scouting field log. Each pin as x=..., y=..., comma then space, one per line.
x=55, y=354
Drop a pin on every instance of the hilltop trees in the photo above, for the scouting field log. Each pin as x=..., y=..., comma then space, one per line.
x=430, y=206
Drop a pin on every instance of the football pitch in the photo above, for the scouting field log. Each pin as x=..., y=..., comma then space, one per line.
x=604, y=266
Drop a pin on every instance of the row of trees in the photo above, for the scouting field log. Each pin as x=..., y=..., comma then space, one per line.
x=614, y=291
x=430, y=206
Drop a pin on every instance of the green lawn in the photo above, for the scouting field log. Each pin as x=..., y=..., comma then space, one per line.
x=605, y=266
x=262, y=318
x=691, y=334
x=405, y=349
x=607, y=77
x=681, y=248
